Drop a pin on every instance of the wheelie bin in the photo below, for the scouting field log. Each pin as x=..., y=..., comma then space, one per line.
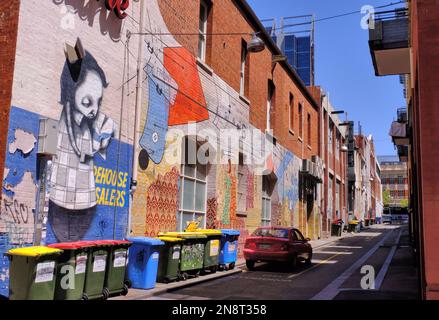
x=32, y=273
x=211, y=249
x=71, y=270
x=169, y=260
x=192, y=252
x=96, y=269
x=143, y=259
x=229, y=249
x=115, y=276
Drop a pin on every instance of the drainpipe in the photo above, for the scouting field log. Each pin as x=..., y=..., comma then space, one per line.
x=138, y=110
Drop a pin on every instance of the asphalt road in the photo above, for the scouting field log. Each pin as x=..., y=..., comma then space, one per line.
x=336, y=268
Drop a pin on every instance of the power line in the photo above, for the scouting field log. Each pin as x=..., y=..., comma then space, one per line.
x=335, y=16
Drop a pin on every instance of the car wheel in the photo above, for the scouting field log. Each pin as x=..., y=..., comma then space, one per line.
x=250, y=264
x=293, y=262
x=308, y=262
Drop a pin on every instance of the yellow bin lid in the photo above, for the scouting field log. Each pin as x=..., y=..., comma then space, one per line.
x=210, y=232
x=34, y=251
x=184, y=235
x=170, y=239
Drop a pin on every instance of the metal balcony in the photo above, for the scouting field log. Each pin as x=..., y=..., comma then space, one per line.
x=399, y=129
x=389, y=42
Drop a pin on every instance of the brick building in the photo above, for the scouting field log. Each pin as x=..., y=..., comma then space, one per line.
x=107, y=112
x=394, y=179
x=405, y=42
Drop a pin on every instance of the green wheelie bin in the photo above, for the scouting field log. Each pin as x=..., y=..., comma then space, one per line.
x=169, y=259
x=72, y=264
x=192, y=252
x=96, y=270
x=211, y=249
x=115, y=277
x=32, y=273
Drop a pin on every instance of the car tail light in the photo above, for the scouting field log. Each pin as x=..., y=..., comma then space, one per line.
x=250, y=245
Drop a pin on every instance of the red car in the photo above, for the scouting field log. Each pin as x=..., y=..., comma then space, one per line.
x=282, y=244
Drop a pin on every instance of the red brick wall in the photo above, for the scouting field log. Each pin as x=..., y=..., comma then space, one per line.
x=224, y=57
x=9, y=12
x=426, y=113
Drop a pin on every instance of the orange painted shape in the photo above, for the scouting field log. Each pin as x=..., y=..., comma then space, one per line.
x=182, y=67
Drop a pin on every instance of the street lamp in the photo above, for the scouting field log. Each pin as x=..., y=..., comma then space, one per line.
x=256, y=44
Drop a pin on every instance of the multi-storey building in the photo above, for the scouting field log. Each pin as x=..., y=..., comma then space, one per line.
x=136, y=119
x=404, y=42
x=394, y=180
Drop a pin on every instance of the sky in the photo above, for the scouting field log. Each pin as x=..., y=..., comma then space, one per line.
x=343, y=64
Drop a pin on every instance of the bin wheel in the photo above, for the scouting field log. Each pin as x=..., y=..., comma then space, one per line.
x=125, y=290
x=197, y=274
x=222, y=267
x=232, y=266
x=184, y=276
x=128, y=283
x=166, y=280
x=214, y=269
x=105, y=294
x=85, y=296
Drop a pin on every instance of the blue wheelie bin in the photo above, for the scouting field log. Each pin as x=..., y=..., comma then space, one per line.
x=143, y=260
x=229, y=249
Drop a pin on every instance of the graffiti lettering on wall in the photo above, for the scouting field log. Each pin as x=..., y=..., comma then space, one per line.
x=113, y=184
x=161, y=203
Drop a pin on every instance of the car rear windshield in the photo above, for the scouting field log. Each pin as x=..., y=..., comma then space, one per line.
x=275, y=233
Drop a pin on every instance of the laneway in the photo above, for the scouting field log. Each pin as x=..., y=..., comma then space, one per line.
x=336, y=269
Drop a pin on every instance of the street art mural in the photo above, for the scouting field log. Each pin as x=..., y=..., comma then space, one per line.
x=162, y=204
x=178, y=91
x=87, y=188
x=19, y=186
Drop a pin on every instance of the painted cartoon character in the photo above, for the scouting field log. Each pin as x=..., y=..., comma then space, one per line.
x=83, y=132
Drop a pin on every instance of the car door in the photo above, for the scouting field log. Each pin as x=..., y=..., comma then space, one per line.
x=301, y=245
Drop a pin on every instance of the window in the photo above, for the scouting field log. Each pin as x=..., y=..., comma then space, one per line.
x=291, y=111
x=400, y=180
x=401, y=194
x=298, y=236
x=337, y=146
x=193, y=182
x=300, y=121
x=308, y=124
x=244, y=69
x=330, y=137
x=202, y=30
x=270, y=102
x=266, y=202
x=242, y=185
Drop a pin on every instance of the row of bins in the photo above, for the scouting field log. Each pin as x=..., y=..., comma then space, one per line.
x=69, y=271
x=100, y=269
x=174, y=256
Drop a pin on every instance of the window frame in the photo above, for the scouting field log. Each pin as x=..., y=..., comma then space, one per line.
x=202, y=30
x=266, y=198
x=300, y=120
x=244, y=69
x=186, y=177
x=291, y=113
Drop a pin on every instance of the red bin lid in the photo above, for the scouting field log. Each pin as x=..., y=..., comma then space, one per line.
x=65, y=245
x=86, y=243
